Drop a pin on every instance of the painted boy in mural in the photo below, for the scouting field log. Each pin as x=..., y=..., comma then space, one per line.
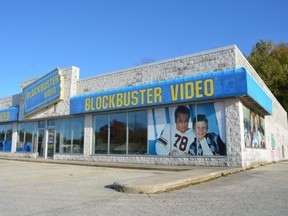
x=253, y=130
x=247, y=133
x=175, y=139
x=208, y=144
x=257, y=141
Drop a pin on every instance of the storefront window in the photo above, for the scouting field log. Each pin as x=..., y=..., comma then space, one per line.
x=118, y=133
x=21, y=137
x=111, y=132
x=137, y=125
x=70, y=135
x=6, y=137
x=27, y=137
x=77, y=130
x=65, y=138
x=29, y=145
x=100, y=134
x=2, y=137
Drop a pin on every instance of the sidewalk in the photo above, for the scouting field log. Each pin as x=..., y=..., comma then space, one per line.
x=160, y=178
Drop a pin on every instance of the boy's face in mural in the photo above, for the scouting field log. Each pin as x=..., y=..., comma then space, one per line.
x=201, y=129
x=182, y=122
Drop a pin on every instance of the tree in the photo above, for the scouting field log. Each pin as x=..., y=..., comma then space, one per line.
x=271, y=63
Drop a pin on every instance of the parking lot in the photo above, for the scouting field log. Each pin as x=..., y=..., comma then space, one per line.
x=35, y=188
x=17, y=173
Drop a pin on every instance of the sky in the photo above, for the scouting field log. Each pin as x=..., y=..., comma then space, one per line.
x=104, y=36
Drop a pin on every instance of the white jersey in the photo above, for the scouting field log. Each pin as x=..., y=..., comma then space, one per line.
x=173, y=142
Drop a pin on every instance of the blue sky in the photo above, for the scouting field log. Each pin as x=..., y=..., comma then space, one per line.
x=101, y=36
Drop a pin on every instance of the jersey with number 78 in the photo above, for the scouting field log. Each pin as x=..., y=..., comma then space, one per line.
x=173, y=142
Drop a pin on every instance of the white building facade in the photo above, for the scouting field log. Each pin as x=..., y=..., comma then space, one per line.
x=208, y=109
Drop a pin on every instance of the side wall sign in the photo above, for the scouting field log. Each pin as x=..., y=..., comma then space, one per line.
x=43, y=92
x=9, y=114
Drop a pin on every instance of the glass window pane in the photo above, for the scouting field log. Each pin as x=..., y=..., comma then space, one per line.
x=8, y=141
x=30, y=136
x=6, y=137
x=63, y=139
x=137, y=132
x=40, y=142
x=26, y=137
x=100, y=126
x=66, y=131
x=51, y=123
x=21, y=133
x=78, y=135
x=58, y=135
x=69, y=135
x=118, y=133
x=50, y=142
x=2, y=137
x=9, y=131
x=41, y=124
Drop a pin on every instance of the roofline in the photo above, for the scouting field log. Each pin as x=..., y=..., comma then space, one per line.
x=233, y=46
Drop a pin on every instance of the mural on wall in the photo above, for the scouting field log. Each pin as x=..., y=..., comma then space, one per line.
x=187, y=130
x=254, y=132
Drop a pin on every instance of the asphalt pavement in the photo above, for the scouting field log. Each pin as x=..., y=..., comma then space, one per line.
x=155, y=179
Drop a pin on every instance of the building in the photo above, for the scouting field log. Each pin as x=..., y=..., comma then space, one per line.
x=209, y=108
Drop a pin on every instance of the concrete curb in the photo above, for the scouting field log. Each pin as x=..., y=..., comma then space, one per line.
x=173, y=184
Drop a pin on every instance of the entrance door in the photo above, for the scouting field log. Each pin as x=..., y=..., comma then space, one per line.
x=51, y=142
x=41, y=142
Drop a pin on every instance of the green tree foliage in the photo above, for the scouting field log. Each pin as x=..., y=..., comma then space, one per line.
x=271, y=62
